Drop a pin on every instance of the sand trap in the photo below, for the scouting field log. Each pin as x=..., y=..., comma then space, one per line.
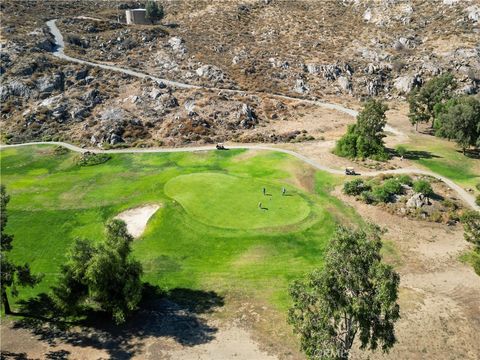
x=137, y=218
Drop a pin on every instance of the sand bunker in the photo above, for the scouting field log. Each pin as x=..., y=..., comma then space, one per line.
x=137, y=218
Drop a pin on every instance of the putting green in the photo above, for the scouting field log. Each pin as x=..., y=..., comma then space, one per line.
x=232, y=202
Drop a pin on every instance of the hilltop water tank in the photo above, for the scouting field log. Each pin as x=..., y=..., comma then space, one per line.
x=136, y=16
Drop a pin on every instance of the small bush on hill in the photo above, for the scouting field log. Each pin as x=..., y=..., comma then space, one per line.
x=401, y=150
x=405, y=180
x=355, y=187
x=385, y=192
x=90, y=159
x=368, y=197
x=60, y=150
x=423, y=187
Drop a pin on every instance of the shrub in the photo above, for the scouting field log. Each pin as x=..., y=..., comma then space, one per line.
x=476, y=265
x=355, y=187
x=368, y=197
x=393, y=186
x=405, y=180
x=347, y=145
x=424, y=187
x=90, y=159
x=381, y=194
x=449, y=204
x=401, y=150
x=386, y=191
x=60, y=150
x=477, y=200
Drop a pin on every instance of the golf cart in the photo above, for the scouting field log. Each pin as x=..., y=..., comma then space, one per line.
x=220, y=146
x=350, y=171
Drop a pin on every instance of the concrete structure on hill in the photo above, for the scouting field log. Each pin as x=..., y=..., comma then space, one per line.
x=136, y=16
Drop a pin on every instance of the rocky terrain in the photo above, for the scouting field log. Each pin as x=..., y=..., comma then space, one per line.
x=349, y=49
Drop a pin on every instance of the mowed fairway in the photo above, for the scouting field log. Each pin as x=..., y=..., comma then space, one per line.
x=209, y=232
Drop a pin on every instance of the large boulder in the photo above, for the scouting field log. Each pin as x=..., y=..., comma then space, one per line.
x=405, y=84
x=92, y=97
x=210, y=72
x=48, y=84
x=301, y=87
x=473, y=13
x=15, y=88
x=417, y=201
x=177, y=44
x=344, y=83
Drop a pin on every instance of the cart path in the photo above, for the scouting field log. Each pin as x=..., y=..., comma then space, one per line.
x=464, y=195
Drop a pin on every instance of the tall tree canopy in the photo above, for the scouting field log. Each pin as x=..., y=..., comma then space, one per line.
x=365, y=138
x=422, y=101
x=459, y=120
x=354, y=294
x=104, y=274
x=12, y=275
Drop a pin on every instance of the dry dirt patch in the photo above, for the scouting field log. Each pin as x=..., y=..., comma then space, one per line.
x=137, y=218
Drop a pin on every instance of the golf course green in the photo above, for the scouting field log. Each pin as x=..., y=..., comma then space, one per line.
x=210, y=232
x=238, y=203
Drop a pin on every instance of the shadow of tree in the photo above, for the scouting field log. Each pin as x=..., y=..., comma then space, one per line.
x=420, y=154
x=173, y=314
x=471, y=153
x=8, y=355
x=58, y=355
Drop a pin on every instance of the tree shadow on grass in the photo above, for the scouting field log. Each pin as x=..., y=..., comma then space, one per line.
x=174, y=314
x=471, y=153
x=420, y=154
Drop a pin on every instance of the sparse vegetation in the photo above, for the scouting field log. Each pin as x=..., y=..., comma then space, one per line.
x=89, y=159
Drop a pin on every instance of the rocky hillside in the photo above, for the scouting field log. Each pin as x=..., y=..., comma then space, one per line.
x=339, y=49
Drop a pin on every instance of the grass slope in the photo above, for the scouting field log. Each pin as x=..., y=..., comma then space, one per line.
x=209, y=234
x=446, y=159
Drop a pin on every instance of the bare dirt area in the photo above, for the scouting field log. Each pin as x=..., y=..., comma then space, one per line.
x=439, y=296
x=137, y=218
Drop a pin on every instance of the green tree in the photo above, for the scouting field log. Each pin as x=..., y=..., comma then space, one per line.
x=104, y=274
x=354, y=294
x=459, y=120
x=423, y=187
x=12, y=275
x=154, y=11
x=471, y=227
x=365, y=138
x=401, y=151
x=422, y=101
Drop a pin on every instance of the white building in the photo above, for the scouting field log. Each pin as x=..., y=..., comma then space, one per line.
x=136, y=16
